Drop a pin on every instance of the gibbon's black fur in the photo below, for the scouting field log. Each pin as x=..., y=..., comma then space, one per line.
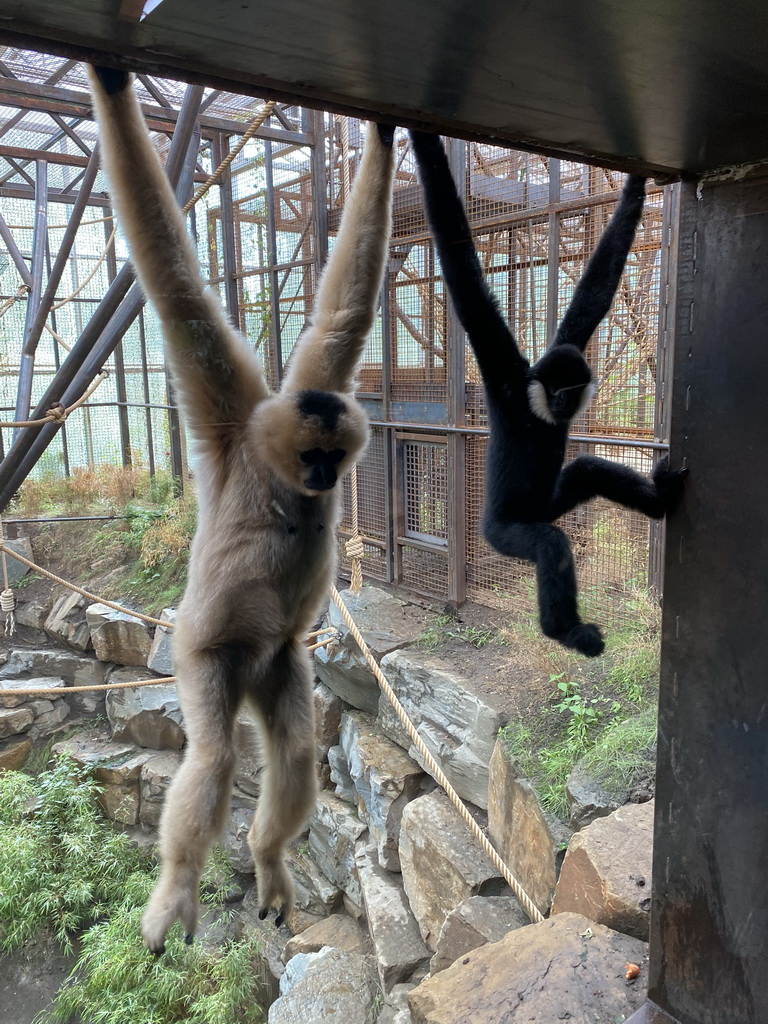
x=266, y=464
x=530, y=408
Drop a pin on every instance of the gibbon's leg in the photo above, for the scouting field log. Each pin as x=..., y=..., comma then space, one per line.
x=283, y=701
x=548, y=547
x=590, y=477
x=198, y=799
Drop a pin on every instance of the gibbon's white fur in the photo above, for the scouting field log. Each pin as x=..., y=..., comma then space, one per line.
x=264, y=551
x=539, y=401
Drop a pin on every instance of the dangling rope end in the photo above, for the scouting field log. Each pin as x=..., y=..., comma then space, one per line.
x=8, y=607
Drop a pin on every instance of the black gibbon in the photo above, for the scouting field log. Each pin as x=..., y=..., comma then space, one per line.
x=266, y=464
x=530, y=408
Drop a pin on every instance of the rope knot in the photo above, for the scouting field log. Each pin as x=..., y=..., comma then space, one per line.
x=57, y=413
x=7, y=606
x=355, y=548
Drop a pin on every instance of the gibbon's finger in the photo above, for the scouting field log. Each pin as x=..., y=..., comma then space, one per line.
x=189, y=938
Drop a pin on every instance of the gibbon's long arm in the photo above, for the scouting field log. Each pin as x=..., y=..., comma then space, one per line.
x=476, y=306
x=595, y=291
x=327, y=354
x=217, y=379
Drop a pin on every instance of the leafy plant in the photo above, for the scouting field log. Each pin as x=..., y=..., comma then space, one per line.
x=61, y=862
x=582, y=713
x=117, y=979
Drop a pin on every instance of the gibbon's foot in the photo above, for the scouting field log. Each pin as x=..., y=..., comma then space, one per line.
x=165, y=907
x=669, y=484
x=112, y=81
x=386, y=133
x=275, y=887
x=585, y=638
x=279, y=916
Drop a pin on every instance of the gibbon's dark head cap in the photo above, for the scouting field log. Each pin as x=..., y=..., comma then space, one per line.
x=324, y=404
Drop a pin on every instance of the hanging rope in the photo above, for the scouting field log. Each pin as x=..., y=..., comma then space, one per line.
x=253, y=127
x=7, y=597
x=79, y=590
x=354, y=547
x=434, y=768
x=90, y=276
x=57, y=413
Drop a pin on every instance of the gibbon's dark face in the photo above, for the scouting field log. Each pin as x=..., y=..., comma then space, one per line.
x=311, y=438
x=322, y=468
x=561, y=385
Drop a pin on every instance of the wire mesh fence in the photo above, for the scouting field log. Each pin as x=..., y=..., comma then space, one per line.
x=262, y=235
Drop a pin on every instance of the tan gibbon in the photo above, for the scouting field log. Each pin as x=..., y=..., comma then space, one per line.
x=266, y=466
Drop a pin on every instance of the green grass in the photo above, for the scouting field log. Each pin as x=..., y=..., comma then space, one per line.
x=117, y=979
x=65, y=871
x=601, y=712
x=61, y=864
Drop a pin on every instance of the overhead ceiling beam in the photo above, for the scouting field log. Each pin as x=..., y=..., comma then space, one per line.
x=160, y=119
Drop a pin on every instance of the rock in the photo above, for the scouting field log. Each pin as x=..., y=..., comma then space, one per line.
x=15, y=569
x=157, y=773
x=395, y=1010
x=531, y=842
x=340, y=777
x=606, y=873
x=147, y=715
x=249, y=754
x=271, y=942
x=393, y=929
x=117, y=636
x=236, y=829
x=115, y=766
x=384, y=625
x=337, y=931
x=49, y=716
x=474, y=922
x=121, y=803
x=66, y=622
x=160, y=658
x=334, y=830
x=33, y=611
x=587, y=799
x=457, y=726
x=328, y=708
x=564, y=969
x=9, y=698
x=15, y=720
x=442, y=863
x=328, y=985
x=316, y=895
x=385, y=780
x=14, y=754
x=74, y=669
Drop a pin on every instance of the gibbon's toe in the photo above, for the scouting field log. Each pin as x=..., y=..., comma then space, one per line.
x=669, y=484
x=275, y=887
x=162, y=912
x=280, y=916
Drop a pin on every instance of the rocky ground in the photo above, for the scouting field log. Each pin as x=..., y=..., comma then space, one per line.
x=392, y=889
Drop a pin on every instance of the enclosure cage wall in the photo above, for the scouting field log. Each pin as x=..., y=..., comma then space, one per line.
x=262, y=235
